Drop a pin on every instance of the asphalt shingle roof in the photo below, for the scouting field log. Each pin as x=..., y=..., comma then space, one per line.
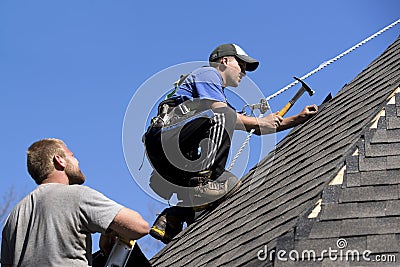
x=364, y=209
x=272, y=205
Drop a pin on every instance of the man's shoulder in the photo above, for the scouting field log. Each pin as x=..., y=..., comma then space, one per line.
x=207, y=75
x=61, y=191
x=57, y=187
x=53, y=191
x=82, y=189
x=206, y=70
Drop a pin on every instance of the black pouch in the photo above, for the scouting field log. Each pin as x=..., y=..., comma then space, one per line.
x=161, y=186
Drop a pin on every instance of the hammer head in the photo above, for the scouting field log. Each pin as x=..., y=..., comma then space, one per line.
x=305, y=87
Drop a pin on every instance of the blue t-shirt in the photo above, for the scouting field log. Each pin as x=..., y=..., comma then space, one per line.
x=202, y=83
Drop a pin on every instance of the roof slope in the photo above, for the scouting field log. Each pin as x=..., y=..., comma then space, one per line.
x=360, y=209
x=274, y=197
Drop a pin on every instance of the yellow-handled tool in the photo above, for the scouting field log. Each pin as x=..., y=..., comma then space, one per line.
x=304, y=88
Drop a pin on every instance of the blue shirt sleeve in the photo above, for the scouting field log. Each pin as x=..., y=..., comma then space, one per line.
x=203, y=83
x=208, y=85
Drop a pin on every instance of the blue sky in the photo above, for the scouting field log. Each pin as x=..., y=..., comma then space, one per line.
x=69, y=69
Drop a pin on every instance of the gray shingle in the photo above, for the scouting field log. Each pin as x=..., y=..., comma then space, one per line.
x=383, y=243
x=352, y=164
x=390, y=111
x=353, y=210
x=393, y=208
x=303, y=227
x=352, y=179
x=372, y=164
x=368, y=193
x=335, y=263
x=393, y=162
x=325, y=229
x=393, y=135
x=382, y=125
x=393, y=123
x=383, y=177
x=380, y=150
x=397, y=100
x=370, y=226
x=331, y=194
x=375, y=136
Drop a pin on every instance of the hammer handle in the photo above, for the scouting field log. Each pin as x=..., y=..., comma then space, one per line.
x=285, y=109
x=296, y=97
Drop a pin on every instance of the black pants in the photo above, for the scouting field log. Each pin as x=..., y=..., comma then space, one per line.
x=185, y=151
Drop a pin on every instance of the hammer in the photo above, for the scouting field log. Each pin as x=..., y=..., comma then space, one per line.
x=304, y=88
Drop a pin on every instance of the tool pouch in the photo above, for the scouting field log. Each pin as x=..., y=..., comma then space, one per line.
x=176, y=131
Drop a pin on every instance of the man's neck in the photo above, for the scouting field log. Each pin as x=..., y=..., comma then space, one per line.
x=57, y=177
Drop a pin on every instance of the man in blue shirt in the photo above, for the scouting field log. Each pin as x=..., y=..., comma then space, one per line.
x=188, y=143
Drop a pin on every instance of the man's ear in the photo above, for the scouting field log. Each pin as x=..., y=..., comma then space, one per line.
x=223, y=63
x=59, y=162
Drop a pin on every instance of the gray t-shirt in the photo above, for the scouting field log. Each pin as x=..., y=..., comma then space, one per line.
x=52, y=226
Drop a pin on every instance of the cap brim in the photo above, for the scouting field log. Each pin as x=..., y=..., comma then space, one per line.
x=251, y=63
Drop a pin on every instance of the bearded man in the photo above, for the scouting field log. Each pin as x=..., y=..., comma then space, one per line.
x=52, y=226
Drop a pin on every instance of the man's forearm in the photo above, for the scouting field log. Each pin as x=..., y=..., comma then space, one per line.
x=245, y=123
x=129, y=224
x=298, y=119
x=291, y=122
x=265, y=125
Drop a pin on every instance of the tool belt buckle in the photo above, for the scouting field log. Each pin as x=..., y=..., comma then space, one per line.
x=182, y=109
x=206, y=174
x=201, y=179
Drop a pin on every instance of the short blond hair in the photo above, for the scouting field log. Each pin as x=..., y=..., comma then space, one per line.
x=40, y=156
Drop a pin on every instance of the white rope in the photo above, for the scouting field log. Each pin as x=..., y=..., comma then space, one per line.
x=323, y=65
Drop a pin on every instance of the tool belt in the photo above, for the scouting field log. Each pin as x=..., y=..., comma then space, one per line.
x=172, y=114
x=166, y=127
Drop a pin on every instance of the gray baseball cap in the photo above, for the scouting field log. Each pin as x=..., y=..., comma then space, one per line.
x=234, y=50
